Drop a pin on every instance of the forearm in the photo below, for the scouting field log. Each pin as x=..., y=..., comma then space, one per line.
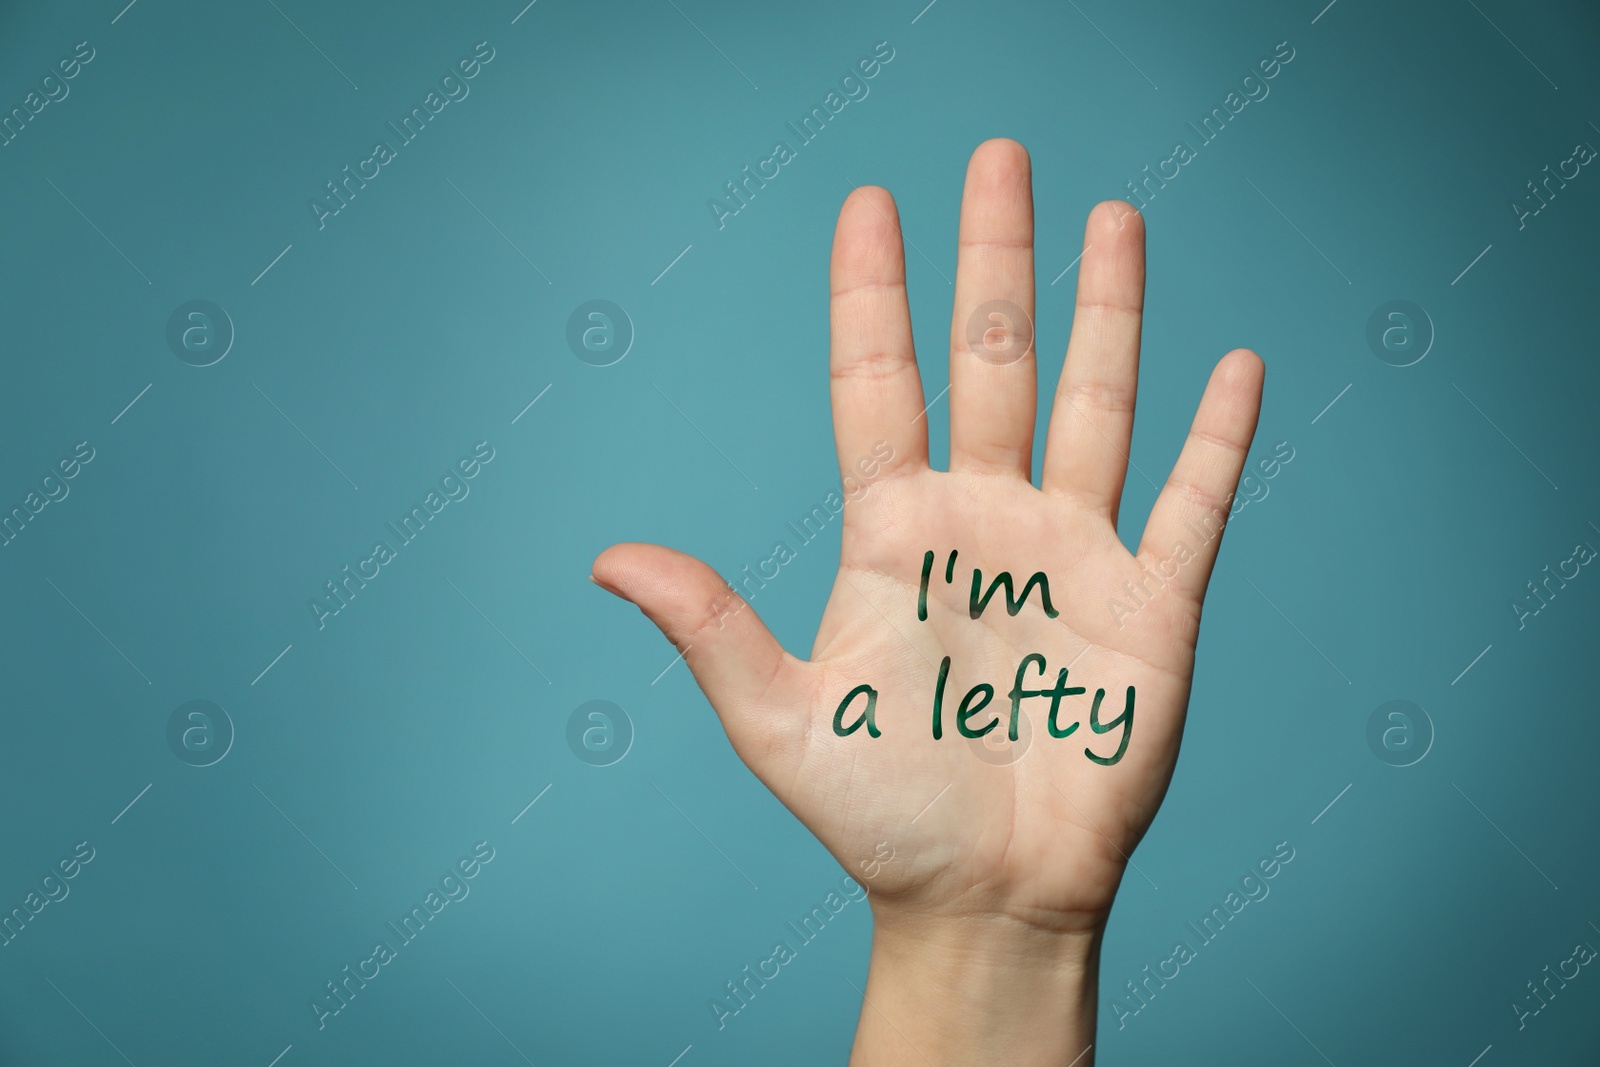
x=976, y=992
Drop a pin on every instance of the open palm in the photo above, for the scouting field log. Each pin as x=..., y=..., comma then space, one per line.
x=1037, y=830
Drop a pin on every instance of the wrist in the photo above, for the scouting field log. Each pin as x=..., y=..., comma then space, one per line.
x=977, y=989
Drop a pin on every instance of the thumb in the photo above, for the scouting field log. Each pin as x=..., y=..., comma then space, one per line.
x=740, y=666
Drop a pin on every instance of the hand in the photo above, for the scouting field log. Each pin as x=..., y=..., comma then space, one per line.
x=989, y=914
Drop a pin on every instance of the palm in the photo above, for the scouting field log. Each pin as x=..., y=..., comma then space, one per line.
x=1035, y=829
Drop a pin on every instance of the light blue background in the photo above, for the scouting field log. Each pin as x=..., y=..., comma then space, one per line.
x=409, y=329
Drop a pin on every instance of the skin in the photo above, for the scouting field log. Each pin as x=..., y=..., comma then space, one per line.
x=988, y=917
